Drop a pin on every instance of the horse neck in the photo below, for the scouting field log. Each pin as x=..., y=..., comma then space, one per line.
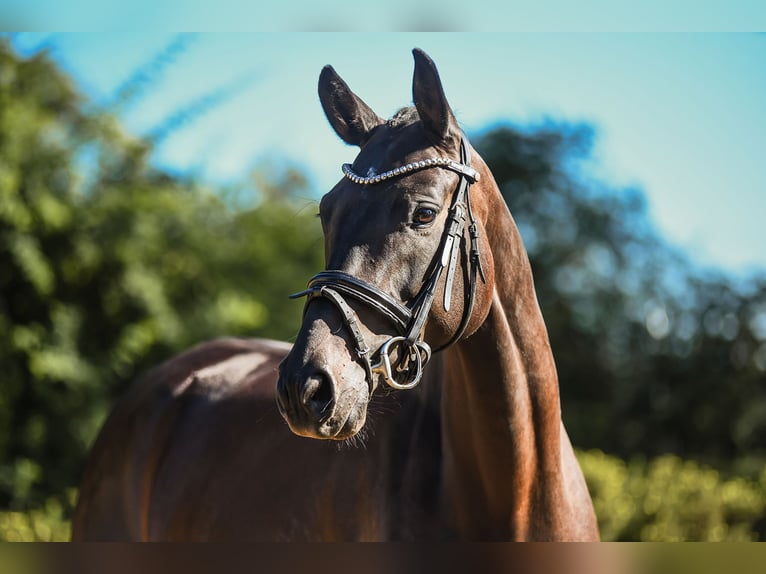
x=501, y=404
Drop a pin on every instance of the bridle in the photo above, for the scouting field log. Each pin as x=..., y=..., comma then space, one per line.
x=409, y=320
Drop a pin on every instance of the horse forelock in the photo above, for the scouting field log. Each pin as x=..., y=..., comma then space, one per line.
x=404, y=117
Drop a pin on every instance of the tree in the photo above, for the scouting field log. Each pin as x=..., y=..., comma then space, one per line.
x=108, y=266
x=654, y=355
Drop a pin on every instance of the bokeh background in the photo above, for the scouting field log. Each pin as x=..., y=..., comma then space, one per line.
x=160, y=190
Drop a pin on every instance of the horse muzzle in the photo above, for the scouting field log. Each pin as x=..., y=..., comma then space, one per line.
x=314, y=406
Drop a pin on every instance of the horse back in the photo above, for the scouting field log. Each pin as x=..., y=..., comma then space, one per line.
x=136, y=448
x=197, y=450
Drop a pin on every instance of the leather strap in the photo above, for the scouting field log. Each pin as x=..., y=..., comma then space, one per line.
x=350, y=319
x=474, y=256
x=368, y=294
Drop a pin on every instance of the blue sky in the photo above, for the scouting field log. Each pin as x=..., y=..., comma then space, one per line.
x=680, y=115
x=348, y=15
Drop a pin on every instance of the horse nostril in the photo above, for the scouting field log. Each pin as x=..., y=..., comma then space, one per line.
x=318, y=395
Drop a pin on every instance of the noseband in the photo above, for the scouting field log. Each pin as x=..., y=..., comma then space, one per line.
x=409, y=320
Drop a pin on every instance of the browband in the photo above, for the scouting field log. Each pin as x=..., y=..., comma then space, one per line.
x=444, y=162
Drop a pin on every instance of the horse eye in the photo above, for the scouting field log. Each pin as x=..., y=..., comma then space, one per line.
x=424, y=216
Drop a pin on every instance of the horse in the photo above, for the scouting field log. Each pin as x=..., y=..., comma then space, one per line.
x=421, y=389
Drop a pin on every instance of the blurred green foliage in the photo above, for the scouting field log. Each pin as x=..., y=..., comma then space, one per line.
x=49, y=523
x=108, y=266
x=670, y=499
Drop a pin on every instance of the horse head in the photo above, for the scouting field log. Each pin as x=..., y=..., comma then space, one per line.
x=408, y=265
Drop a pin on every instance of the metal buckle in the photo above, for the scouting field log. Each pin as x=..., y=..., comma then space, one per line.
x=419, y=349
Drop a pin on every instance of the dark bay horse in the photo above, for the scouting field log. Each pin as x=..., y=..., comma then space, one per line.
x=421, y=253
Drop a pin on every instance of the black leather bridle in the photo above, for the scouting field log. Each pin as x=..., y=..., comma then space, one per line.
x=409, y=320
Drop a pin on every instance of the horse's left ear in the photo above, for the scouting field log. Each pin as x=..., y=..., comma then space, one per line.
x=350, y=117
x=428, y=95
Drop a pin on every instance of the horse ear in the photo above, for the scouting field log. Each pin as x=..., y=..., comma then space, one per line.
x=428, y=94
x=349, y=116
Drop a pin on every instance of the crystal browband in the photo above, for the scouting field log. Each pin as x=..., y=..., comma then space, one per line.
x=444, y=162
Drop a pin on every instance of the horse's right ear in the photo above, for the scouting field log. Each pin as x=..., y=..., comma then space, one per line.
x=349, y=116
x=430, y=101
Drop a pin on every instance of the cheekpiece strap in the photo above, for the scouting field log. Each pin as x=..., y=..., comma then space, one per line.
x=349, y=318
